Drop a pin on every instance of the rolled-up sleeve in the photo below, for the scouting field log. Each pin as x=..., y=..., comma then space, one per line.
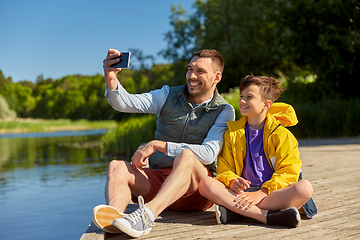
x=151, y=102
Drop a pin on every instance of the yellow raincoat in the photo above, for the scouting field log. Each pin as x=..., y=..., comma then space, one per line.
x=280, y=147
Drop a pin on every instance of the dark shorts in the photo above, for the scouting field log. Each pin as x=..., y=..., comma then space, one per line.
x=191, y=201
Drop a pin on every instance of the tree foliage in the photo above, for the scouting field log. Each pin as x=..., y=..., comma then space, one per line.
x=275, y=37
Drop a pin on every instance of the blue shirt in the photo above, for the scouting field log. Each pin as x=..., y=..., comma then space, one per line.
x=153, y=102
x=256, y=167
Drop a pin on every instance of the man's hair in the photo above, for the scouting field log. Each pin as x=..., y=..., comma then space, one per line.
x=215, y=57
x=269, y=87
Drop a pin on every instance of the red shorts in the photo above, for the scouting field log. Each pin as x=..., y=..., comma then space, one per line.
x=191, y=201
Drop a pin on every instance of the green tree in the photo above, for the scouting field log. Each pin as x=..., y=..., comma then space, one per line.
x=323, y=37
x=182, y=42
x=5, y=111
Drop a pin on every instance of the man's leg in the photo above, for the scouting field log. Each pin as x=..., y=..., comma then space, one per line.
x=123, y=181
x=185, y=177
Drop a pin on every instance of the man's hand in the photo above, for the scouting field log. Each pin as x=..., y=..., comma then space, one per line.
x=109, y=72
x=246, y=200
x=139, y=158
x=240, y=184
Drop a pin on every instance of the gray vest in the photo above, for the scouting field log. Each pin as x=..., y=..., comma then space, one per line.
x=178, y=122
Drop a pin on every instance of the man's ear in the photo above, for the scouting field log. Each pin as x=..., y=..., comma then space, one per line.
x=218, y=76
x=267, y=104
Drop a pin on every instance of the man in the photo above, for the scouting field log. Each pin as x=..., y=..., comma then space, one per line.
x=189, y=136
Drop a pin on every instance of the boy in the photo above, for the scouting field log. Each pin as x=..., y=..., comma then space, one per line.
x=259, y=165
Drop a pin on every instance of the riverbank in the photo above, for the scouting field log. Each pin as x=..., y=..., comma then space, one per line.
x=25, y=125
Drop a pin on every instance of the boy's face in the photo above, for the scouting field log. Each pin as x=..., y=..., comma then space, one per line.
x=251, y=103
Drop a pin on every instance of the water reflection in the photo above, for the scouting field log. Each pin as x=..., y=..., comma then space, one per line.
x=48, y=185
x=35, y=151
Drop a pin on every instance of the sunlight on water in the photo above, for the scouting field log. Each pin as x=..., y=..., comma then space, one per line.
x=49, y=185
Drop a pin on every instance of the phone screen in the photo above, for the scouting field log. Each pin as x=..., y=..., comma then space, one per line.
x=124, y=61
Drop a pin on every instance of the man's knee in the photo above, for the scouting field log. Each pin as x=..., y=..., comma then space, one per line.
x=186, y=157
x=117, y=168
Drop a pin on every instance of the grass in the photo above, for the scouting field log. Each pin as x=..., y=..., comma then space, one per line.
x=129, y=135
x=42, y=125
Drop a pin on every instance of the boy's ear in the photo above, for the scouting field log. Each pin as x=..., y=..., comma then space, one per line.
x=267, y=104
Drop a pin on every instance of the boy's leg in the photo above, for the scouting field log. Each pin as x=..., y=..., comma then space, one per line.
x=221, y=195
x=294, y=195
x=278, y=200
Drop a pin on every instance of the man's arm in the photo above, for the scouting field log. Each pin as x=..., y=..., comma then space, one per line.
x=123, y=101
x=212, y=144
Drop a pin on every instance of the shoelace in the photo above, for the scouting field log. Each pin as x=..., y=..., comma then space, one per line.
x=140, y=213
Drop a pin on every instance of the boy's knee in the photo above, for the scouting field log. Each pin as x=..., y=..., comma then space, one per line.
x=304, y=188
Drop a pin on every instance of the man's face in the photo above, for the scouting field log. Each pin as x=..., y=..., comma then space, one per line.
x=201, y=79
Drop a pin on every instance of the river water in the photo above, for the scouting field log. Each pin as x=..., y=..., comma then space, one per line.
x=49, y=184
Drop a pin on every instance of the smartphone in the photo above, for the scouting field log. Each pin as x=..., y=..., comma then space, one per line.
x=124, y=61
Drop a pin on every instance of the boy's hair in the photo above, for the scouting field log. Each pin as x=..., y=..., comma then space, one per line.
x=269, y=87
x=215, y=57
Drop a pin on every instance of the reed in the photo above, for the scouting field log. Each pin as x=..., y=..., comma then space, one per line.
x=128, y=135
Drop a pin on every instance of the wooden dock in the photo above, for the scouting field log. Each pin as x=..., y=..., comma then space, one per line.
x=333, y=168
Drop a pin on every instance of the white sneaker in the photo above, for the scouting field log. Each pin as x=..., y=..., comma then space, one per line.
x=137, y=223
x=103, y=216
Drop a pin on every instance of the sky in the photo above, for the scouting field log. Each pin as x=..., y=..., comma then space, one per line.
x=56, y=38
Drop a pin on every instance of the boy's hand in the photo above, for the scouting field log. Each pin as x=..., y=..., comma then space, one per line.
x=245, y=200
x=240, y=184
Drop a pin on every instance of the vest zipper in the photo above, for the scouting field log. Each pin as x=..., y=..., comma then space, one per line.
x=188, y=119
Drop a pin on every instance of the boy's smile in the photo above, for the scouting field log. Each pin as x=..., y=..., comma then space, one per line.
x=251, y=103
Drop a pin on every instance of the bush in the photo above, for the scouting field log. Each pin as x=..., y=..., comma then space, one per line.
x=5, y=111
x=327, y=118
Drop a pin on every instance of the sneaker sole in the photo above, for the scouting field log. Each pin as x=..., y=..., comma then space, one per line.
x=298, y=217
x=103, y=216
x=217, y=214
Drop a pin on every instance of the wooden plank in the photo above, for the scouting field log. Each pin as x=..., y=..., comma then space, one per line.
x=93, y=233
x=334, y=171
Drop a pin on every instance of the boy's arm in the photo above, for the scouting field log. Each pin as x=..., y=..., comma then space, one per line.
x=288, y=163
x=226, y=167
